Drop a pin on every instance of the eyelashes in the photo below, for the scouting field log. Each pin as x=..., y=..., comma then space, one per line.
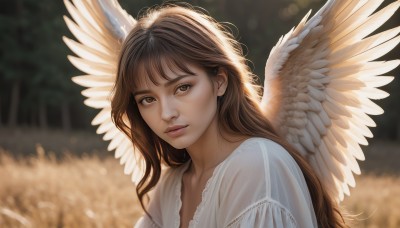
x=180, y=90
x=147, y=100
x=185, y=86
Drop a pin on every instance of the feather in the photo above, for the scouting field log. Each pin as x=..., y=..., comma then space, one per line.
x=346, y=189
x=361, y=46
x=316, y=94
x=342, y=98
x=325, y=118
x=372, y=93
x=112, y=133
x=378, y=68
x=377, y=52
x=124, y=158
x=357, y=124
x=356, y=19
x=98, y=92
x=87, y=53
x=94, y=81
x=316, y=75
x=138, y=170
x=115, y=142
x=346, y=84
x=317, y=122
x=351, y=163
x=315, y=106
x=362, y=117
x=330, y=146
x=125, y=146
x=102, y=116
x=84, y=38
x=377, y=81
x=374, y=21
x=356, y=150
x=331, y=106
x=315, y=137
x=324, y=174
x=330, y=162
x=105, y=127
x=370, y=107
x=90, y=67
x=338, y=134
x=356, y=135
x=98, y=102
x=344, y=70
x=89, y=16
x=130, y=164
x=306, y=141
x=341, y=122
x=83, y=23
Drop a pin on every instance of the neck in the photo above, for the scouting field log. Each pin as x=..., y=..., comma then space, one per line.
x=211, y=149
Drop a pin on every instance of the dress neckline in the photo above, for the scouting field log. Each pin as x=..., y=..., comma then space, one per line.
x=199, y=208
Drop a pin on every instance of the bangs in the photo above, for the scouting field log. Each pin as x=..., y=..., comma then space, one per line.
x=152, y=65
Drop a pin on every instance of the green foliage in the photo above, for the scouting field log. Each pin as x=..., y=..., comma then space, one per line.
x=33, y=53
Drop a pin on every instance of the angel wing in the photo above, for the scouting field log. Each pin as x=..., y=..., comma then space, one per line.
x=319, y=80
x=100, y=27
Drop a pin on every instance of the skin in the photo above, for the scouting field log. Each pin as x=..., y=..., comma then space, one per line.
x=190, y=101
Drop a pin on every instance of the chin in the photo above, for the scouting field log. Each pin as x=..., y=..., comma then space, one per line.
x=179, y=143
x=179, y=147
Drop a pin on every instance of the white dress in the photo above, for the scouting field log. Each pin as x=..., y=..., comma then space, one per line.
x=258, y=185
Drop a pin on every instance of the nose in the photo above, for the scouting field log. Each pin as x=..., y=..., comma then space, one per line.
x=168, y=110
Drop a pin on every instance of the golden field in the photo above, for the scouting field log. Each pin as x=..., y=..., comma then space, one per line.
x=86, y=192
x=42, y=190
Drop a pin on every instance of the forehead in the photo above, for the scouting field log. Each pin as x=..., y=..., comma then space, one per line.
x=157, y=73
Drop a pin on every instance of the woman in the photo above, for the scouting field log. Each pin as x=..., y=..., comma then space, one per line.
x=192, y=104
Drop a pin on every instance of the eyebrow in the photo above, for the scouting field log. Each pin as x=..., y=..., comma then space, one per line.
x=169, y=83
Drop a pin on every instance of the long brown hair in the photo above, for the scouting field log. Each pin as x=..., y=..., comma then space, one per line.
x=179, y=35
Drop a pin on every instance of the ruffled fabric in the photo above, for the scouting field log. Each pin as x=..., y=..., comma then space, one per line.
x=266, y=213
x=146, y=222
x=200, y=207
x=178, y=205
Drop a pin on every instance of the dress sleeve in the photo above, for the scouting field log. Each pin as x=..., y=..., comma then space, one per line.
x=264, y=187
x=265, y=213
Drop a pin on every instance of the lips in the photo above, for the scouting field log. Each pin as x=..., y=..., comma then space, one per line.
x=176, y=130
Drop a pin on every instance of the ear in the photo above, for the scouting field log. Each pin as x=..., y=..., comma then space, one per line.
x=221, y=81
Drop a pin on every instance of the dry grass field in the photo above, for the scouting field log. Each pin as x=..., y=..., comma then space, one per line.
x=52, y=188
x=86, y=192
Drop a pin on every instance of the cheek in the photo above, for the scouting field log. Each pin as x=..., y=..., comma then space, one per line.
x=202, y=103
x=149, y=118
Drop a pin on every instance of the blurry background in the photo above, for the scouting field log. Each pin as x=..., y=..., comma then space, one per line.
x=54, y=170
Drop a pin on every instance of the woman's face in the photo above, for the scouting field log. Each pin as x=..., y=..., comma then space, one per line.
x=180, y=110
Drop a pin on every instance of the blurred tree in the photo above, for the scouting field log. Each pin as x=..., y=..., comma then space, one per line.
x=11, y=54
x=33, y=63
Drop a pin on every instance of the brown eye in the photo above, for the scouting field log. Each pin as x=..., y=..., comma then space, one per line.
x=184, y=88
x=146, y=100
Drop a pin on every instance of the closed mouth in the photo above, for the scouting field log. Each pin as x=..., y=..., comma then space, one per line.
x=175, y=128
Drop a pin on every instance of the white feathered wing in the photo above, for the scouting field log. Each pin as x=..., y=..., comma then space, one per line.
x=319, y=80
x=100, y=27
